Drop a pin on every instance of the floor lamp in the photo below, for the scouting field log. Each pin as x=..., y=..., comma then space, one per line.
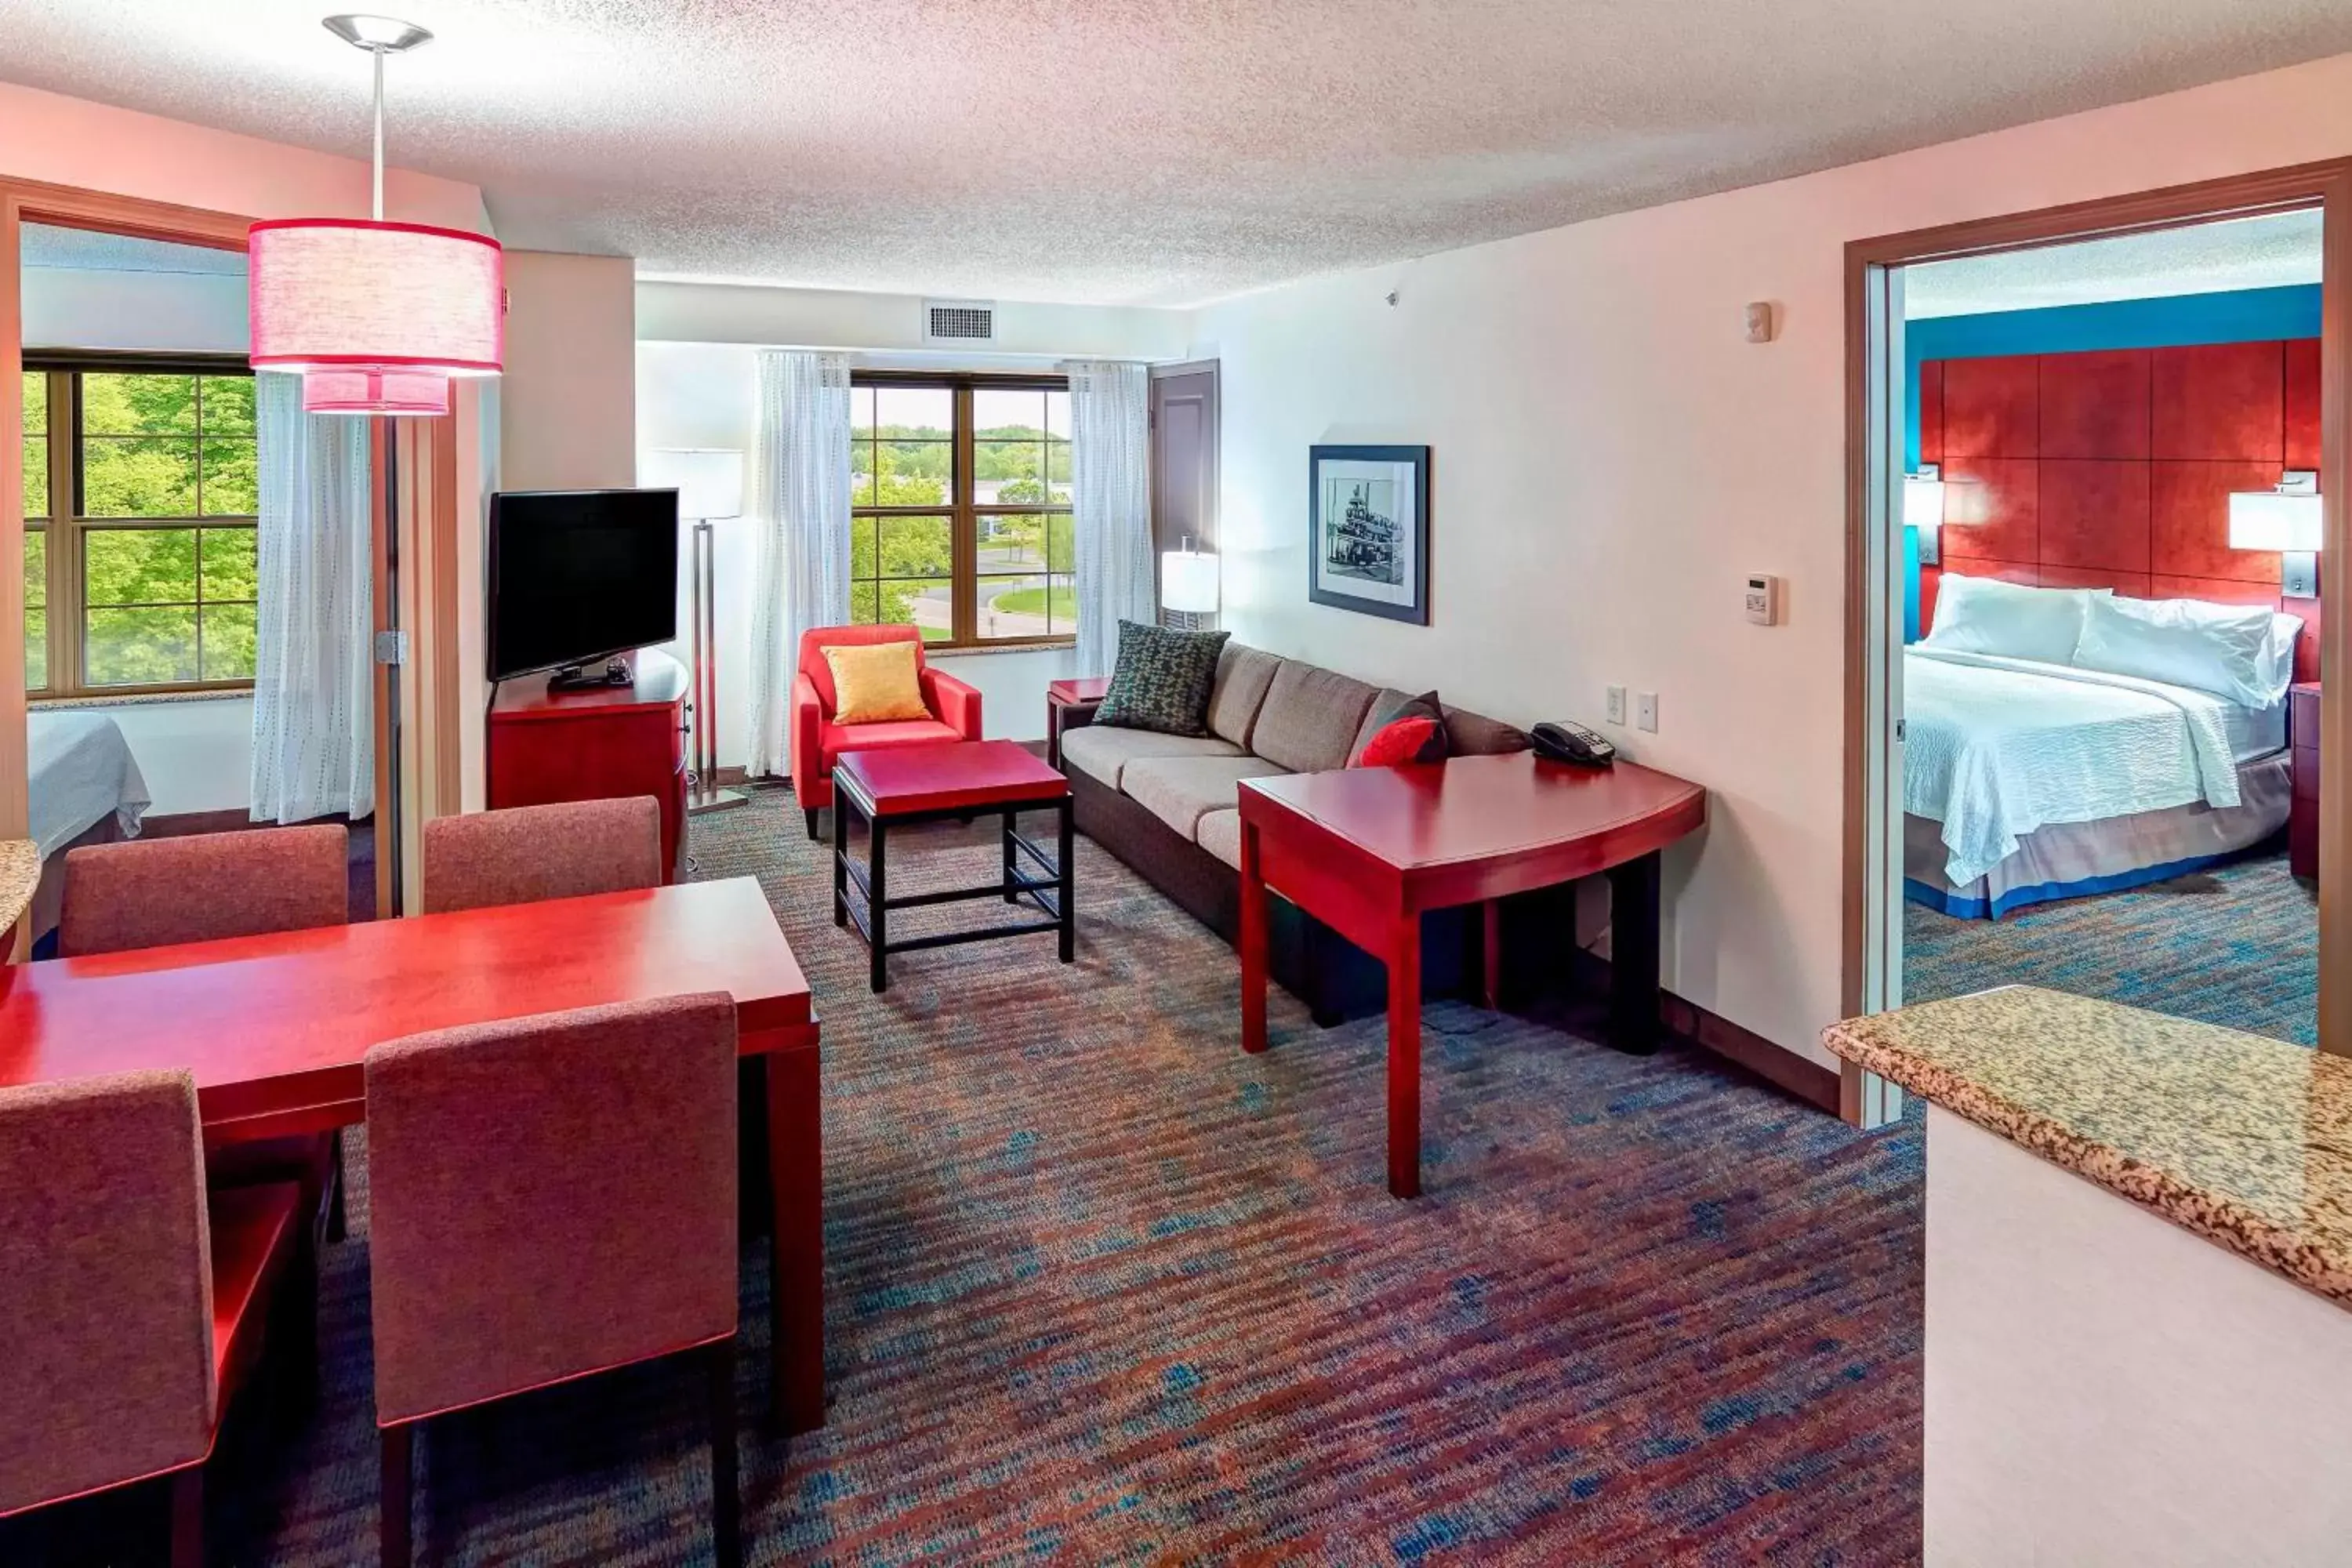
x=709, y=484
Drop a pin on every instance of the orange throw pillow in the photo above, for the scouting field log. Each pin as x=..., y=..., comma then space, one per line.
x=875, y=683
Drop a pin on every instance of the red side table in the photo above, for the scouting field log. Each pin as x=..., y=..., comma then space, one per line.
x=1070, y=705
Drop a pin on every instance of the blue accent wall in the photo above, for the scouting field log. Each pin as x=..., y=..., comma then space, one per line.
x=2238, y=316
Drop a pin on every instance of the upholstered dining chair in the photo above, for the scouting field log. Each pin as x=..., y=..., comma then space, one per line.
x=551, y=1197
x=526, y=853
x=201, y=887
x=136, y=1307
x=818, y=743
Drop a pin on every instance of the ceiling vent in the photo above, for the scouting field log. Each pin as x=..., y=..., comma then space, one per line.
x=959, y=322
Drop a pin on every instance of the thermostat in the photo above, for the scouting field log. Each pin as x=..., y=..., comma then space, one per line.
x=1764, y=600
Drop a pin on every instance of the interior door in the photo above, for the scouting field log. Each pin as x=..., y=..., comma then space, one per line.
x=1183, y=460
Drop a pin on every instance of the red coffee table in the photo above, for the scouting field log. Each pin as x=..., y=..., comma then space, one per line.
x=910, y=784
x=1366, y=850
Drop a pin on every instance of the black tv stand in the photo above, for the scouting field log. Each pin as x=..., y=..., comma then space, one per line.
x=575, y=677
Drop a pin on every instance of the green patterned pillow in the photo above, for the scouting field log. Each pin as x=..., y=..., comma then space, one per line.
x=1162, y=680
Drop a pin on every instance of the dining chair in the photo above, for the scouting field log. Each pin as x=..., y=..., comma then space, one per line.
x=525, y=853
x=551, y=1197
x=202, y=887
x=136, y=1306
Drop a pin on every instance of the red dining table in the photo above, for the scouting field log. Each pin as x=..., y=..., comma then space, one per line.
x=276, y=1029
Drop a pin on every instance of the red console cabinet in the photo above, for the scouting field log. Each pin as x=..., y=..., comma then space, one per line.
x=604, y=743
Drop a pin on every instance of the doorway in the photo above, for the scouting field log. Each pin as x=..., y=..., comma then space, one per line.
x=2050, y=398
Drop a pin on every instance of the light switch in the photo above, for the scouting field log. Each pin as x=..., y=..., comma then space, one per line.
x=1616, y=705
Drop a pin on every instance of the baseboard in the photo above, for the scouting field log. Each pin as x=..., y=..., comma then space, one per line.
x=1777, y=1065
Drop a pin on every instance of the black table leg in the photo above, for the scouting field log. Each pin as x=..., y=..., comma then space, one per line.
x=840, y=856
x=1066, y=881
x=1012, y=866
x=876, y=896
x=1634, y=955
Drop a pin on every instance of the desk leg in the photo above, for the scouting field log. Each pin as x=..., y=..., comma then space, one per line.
x=1252, y=943
x=1404, y=1059
x=796, y=1241
x=1634, y=955
x=1490, y=955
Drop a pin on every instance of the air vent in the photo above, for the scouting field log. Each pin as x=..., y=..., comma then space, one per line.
x=959, y=322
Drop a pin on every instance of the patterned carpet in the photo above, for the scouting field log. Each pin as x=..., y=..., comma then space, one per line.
x=2239, y=945
x=1101, y=1290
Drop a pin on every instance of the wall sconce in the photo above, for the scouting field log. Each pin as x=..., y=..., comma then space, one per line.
x=2286, y=519
x=1188, y=581
x=1922, y=510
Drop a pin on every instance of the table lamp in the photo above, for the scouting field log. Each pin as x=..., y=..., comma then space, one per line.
x=1188, y=582
x=709, y=484
x=2286, y=519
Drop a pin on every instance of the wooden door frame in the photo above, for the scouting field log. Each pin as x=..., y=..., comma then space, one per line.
x=2326, y=185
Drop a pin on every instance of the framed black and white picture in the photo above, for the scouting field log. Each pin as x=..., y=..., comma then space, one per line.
x=1368, y=530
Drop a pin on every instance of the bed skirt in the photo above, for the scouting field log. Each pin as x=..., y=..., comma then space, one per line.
x=2071, y=859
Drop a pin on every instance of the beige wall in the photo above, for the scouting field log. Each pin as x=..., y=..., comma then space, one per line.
x=568, y=403
x=1610, y=458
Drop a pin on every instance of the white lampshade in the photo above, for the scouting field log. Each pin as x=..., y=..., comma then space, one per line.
x=377, y=317
x=1923, y=502
x=2274, y=520
x=1188, y=581
x=708, y=479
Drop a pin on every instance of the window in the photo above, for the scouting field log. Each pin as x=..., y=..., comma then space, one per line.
x=960, y=508
x=140, y=490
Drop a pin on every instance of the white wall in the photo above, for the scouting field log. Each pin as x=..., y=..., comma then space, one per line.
x=567, y=402
x=839, y=319
x=1610, y=458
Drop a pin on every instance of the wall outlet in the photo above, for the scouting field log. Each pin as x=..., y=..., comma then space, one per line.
x=1645, y=712
x=1616, y=705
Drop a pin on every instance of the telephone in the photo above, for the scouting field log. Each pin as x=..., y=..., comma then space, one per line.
x=1568, y=742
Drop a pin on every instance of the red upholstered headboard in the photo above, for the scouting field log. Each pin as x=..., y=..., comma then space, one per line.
x=2113, y=469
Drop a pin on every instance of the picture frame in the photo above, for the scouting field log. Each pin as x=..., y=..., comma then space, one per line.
x=1367, y=531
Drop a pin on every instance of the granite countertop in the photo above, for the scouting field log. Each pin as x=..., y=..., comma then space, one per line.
x=2245, y=1140
x=20, y=872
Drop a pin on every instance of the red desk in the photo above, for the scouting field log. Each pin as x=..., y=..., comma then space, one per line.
x=1367, y=851
x=275, y=1029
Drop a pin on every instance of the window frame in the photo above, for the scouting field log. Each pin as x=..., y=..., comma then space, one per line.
x=64, y=529
x=963, y=513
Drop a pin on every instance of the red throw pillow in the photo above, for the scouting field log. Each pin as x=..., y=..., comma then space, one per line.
x=1404, y=741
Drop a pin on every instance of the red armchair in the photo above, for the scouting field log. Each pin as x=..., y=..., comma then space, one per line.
x=818, y=742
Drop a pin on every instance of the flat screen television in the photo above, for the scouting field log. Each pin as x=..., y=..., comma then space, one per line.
x=579, y=575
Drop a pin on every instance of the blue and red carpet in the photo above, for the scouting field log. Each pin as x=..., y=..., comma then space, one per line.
x=1103, y=1290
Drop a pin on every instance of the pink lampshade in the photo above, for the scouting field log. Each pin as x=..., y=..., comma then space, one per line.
x=377, y=316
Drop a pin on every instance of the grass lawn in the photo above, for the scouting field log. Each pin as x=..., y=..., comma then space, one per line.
x=1031, y=601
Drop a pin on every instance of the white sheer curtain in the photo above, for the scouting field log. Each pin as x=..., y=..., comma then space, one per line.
x=800, y=507
x=313, y=708
x=1110, y=503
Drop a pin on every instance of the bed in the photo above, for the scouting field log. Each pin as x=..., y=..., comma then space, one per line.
x=86, y=788
x=2030, y=775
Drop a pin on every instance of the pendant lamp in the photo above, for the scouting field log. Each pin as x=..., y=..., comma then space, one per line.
x=375, y=316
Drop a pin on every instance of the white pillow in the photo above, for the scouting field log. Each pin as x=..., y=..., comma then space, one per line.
x=1984, y=615
x=2278, y=669
x=2224, y=649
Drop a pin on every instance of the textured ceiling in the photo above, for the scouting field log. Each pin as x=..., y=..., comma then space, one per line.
x=1145, y=152
x=2209, y=258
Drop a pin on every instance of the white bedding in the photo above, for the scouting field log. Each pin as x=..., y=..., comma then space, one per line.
x=1997, y=747
x=82, y=769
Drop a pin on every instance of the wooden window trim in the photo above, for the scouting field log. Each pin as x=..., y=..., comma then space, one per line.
x=65, y=528
x=963, y=513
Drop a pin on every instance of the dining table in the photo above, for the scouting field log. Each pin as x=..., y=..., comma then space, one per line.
x=276, y=1029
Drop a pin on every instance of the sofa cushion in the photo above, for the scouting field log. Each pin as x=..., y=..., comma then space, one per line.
x=1162, y=680
x=1220, y=833
x=1309, y=719
x=1102, y=753
x=1469, y=734
x=1179, y=791
x=1243, y=676
x=1389, y=706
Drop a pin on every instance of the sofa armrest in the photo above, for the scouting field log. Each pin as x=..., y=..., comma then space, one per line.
x=808, y=717
x=956, y=702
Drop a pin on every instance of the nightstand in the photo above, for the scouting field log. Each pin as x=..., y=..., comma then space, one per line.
x=2303, y=820
x=1070, y=705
